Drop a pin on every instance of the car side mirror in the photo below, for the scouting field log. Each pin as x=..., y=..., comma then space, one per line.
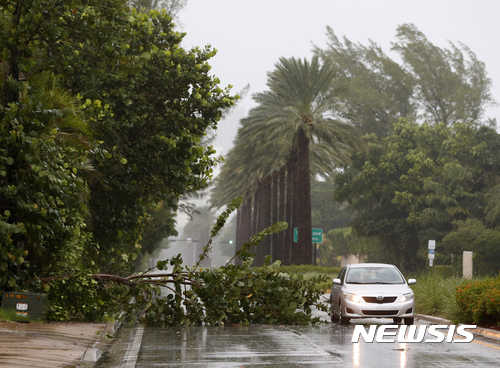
x=412, y=281
x=337, y=282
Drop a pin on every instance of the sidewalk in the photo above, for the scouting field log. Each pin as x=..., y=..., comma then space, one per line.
x=50, y=345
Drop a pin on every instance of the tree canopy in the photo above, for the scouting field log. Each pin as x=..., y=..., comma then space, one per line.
x=429, y=84
x=103, y=114
x=419, y=184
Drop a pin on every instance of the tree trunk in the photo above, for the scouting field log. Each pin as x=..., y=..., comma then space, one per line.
x=9, y=95
x=280, y=251
x=302, y=253
x=239, y=231
x=275, y=212
x=255, y=216
x=264, y=219
x=288, y=244
x=267, y=207
x=245, y=228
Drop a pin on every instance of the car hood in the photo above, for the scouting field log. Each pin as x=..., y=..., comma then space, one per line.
x=378, y=289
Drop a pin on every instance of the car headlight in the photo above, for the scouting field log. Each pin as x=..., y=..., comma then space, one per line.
x=352, y=297
x=406, y=297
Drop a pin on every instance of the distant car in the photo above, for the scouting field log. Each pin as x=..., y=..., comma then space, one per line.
x=372, y=290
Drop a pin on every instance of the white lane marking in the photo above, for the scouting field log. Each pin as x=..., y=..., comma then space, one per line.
x=133, y=348
x=308, y=343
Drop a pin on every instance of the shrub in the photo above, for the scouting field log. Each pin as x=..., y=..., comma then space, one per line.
x=308, y=272
x=78, y=297
x=479, y=301
x=434, y=295
x=445, y=271
x=11, y=315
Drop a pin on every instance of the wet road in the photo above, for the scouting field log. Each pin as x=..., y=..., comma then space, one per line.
x=323, y=345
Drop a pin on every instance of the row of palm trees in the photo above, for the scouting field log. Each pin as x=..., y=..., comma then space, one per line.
x=297, y=131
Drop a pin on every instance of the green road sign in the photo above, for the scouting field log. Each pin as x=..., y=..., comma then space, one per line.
x=317, y=235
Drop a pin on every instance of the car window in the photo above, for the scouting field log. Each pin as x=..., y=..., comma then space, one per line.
x=374, y=275
x=341, y=275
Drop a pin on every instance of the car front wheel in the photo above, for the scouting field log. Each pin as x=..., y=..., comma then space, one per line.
x=409, y=321
x=342, y=320
x=333, y=318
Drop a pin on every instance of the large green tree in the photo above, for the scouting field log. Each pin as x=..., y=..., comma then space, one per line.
x=161, y=100
x=413, y=185
x=43, y=200
x=430, y=83
x=45, y=149
x=377, y=91
x=452, y=85
x=327, y=213
x=473, y=235
x=146, y=101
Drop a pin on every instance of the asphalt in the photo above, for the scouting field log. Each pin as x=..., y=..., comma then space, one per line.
x=54, y=345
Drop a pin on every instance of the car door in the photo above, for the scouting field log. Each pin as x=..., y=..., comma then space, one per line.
x=337, y=291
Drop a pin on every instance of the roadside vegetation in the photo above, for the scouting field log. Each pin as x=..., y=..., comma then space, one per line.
x=479, y=301
x=9, y=315
x=457, y=299
x=435, y=295
x=172, y=293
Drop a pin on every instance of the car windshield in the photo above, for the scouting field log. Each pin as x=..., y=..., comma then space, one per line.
x=374, y=275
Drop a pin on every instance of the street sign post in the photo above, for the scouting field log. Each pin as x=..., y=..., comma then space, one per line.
x=316, y=237
x=432, y=252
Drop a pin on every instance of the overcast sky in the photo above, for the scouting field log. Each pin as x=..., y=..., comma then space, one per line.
x=251, y=35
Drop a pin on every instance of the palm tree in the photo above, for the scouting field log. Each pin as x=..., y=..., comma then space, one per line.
x=295, y=125
x=243, y=173
x=301, y=112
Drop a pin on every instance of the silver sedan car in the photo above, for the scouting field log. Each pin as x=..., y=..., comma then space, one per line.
x=372, y=290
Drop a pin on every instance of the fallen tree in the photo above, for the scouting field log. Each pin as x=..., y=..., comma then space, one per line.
x=171, y=293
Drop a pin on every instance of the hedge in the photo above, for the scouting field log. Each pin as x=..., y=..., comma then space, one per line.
x=479, y=301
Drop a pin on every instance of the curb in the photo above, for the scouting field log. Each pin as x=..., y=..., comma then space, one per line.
x=486, y=332
x=94, y=353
